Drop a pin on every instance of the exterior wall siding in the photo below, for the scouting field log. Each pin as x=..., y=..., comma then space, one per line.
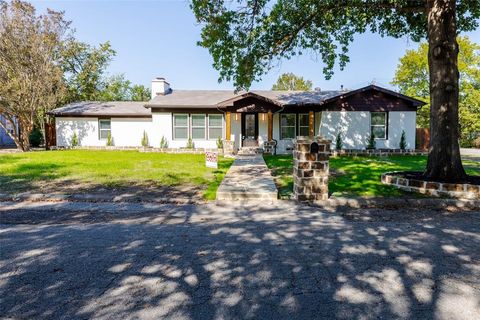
x=355, y=128
x=127, y=132
x=5, y=139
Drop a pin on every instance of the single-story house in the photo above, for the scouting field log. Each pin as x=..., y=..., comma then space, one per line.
x=248, y=119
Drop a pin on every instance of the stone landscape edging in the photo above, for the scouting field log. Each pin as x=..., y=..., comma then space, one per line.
x=332, y=203
x=455, y=190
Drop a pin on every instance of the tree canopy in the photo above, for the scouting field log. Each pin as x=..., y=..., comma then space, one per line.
x=31, y=80
x=412, y=78
x=290, y=82
x=246, y=37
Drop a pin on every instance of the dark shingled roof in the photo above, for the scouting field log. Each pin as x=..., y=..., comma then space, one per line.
x=191, y=99
x=111, y=109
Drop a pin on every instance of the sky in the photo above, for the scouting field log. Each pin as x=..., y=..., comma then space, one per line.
x=157, y=38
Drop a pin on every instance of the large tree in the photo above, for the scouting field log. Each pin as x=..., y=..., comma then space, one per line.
x=84, y=69
x=290, y=81
x=30, y=79
x=245, y=36
x=412, y=78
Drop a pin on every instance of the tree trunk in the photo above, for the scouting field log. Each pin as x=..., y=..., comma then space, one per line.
x=444, y=161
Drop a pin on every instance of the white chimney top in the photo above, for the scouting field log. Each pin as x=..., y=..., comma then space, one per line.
x=160, y=87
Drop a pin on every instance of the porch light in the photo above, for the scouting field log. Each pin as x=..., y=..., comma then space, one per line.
x=263, y=116
x=236, y=116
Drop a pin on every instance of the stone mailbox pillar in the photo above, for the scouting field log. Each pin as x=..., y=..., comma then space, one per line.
x=310, y=168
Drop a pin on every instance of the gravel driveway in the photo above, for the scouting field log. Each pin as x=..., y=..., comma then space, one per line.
x=106, y=261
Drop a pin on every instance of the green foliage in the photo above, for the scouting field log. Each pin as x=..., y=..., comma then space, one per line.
x=371, y=143
x=115, y=88
x=84, y=68
x=412, y=78
x=163, y=143
x=74, y=142
x=244, y=37
x=190, y=144
x=219, y=143
x=36, y=137
x=403, y=141
x=339, y=142
x=31, y=81
x=290, y=82
x=109, y=140
x=23, y=172
x=144, y=141
x=139, y=92
x=356, y=176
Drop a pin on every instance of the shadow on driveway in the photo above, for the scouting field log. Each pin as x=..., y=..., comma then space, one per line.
x=243, y=261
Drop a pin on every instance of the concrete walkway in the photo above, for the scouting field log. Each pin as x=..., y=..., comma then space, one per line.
x=248, y=178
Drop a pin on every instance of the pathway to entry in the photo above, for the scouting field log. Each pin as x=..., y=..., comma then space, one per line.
x=248, y=178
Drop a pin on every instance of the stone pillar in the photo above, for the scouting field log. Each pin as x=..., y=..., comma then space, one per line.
x=269, y=147
x=310, y=168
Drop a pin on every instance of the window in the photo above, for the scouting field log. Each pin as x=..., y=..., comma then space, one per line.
x=198, y=126
x=180, y=126
x=303, y=127
x=378, y=123
x=104, y=128
x=287, y=126
x=215, y=126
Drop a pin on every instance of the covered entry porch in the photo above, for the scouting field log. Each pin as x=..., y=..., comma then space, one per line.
x=254, y=121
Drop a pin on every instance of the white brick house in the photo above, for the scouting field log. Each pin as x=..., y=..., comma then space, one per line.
x=247, y=119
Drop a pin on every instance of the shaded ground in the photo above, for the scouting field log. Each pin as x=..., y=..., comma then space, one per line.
x=112, y=261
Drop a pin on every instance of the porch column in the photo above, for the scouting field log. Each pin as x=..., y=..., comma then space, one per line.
x=311, y=124
x=270, y=125
x=228, y=129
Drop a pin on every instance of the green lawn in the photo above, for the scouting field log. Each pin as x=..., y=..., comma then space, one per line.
x=20, y=172
x=356, y=176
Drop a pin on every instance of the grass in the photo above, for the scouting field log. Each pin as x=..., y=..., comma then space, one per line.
x=20, y=172
x=357, y=176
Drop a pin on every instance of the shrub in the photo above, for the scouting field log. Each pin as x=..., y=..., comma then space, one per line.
x=163, y=143
x=74, y=140
x=403, y=141
x=476, y=143
x=219, y=143
x=144, y=141
x=371, y=143
x=190, y=144
x=339, y=142
x=109, y=140
x=36, y=137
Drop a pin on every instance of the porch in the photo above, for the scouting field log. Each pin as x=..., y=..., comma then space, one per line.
x=255, y=122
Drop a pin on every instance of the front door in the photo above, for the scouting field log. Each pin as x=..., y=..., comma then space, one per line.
x=249, y=129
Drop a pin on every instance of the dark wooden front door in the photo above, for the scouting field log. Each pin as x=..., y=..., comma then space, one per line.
x=249, y=129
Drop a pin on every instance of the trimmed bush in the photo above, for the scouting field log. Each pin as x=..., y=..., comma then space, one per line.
x=36, y=138
x=144, y=141
x=219, y=143
x=339, y=142
x=190, y=144
x=74, y=140
x=109, y=140
x=371, y=143
x=403, y=141
x=163, y=143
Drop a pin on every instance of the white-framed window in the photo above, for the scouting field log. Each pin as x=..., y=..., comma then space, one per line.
x=104, y=128
x=180, y=126
x=288, y=128
x=303, y=124
x=378, y=125
x=198, y=126
x=215, y=126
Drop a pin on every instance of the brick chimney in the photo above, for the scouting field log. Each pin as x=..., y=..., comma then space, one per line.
x=160, y=87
